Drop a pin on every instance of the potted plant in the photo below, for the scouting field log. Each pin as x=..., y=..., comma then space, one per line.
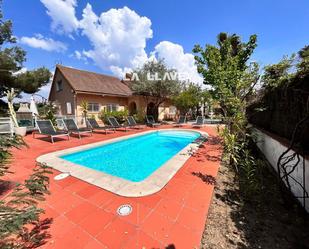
x=21, y=131
x=84, y=105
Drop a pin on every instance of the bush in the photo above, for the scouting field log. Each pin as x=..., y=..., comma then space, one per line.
x=139, y=116
x=119, y=115
x=48, y=111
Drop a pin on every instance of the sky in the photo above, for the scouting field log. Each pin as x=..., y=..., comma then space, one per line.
x=115, y=36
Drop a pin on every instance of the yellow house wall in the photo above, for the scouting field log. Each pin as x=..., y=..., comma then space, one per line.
x=63, y=96
x=164, y=108
x=101, y=100
x=165, y=111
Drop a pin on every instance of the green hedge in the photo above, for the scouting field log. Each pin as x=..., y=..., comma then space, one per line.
x=281, y=108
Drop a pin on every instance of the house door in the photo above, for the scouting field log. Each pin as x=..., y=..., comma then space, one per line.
x=152, y=110
x=132, y=108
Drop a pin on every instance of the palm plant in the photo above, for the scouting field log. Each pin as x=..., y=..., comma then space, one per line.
x=11, y=94
x=84, y=105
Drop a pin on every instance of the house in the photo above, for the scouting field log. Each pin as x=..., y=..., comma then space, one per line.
x=71, y=86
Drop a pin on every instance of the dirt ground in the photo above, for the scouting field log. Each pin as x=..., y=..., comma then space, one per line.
x=265, y=221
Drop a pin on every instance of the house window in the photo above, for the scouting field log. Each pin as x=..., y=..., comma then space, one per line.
x=172, y=110
x=112, y=107
x=69, y=108
x=59, y=86
x=93, y=107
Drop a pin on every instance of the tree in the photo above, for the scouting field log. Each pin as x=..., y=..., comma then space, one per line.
x=48, y=111
x=156, y=83
x=11, y=62
x=207, y=100
x=303, y=64
x=189, y=98
x=275, y=74
x=227, y=70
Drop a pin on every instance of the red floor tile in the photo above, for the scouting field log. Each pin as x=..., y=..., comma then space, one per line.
x=157, y=226
x=182, y=238
x=198, y=200
x=94, y=244
x=150, y=201
x=60, y=226
x=142, y=240
x=75, y=238
x=138, y=215
x=87, y=192
x=67, y=203
x=96, y=221
x=169, y=208
x=49, y=212
x=118, y=201
x=116, y=234
x=56, y=195
x=81, y=211
x=101, y=198
x=66, y=181
x=77, y=186
x=191, y=219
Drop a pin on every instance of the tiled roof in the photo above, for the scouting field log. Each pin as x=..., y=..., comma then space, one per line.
x=85, y=81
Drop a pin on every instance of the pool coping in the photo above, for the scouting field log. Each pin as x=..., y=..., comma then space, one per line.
x=152, y=184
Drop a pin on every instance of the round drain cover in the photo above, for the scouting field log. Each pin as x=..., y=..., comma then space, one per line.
x=124, y=210
x=61, y=176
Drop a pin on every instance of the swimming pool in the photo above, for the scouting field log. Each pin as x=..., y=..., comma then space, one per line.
x=132, y=165
x=136, y=158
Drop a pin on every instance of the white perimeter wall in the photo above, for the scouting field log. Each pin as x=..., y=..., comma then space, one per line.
x=272, y=149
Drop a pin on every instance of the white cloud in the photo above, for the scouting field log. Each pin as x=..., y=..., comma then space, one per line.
x=175, y=57
x=22, y=70
x=118, y=38
x=79, y=56
x=62, y=13
x=48, y=44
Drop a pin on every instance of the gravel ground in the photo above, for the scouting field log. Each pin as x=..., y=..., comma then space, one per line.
x=266, y=221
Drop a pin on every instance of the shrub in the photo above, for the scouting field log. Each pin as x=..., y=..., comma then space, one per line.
x=48, y=111
x=140, y=116
x=119, y=115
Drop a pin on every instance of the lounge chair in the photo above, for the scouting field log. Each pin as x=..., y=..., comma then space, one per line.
x=6, y=126
x=181, y=121
x=132, y=123
x=115, y=125
x=151, y=122
x=93, y=124
x=199, y=122
x=71, y=127
x=45, y=127
x=212, y=121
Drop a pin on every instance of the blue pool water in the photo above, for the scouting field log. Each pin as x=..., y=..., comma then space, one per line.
x=134, y=159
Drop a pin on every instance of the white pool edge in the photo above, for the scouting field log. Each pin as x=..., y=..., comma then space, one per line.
x=152, y=184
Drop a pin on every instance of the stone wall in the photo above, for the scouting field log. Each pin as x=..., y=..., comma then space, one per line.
x=272, y=148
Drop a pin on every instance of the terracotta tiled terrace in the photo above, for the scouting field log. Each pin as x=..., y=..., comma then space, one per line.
x=84, y=216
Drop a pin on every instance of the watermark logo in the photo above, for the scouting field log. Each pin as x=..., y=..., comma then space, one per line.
x=167, y=76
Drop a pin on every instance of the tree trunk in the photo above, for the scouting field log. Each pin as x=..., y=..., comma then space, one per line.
x=13, y=114
x=156, y=112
